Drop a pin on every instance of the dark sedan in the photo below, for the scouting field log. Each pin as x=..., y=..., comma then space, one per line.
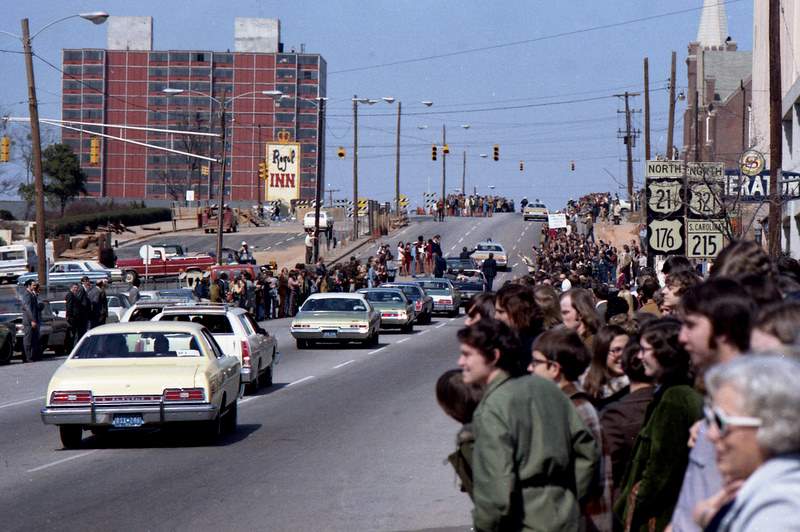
x=54, y=334
x=423, y=303
x=469, y=282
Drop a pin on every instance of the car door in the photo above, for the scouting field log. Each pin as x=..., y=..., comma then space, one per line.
x=258, y=354
x=228, y=370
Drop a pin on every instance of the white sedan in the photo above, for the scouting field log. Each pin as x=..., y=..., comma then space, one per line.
x=143, y=374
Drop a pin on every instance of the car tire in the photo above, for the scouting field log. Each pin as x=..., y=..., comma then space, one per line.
x=71, y=436
x=409, y=328
x=44, y=343
x=453, y=313
x=212, y=430
x=129, y=276
x=267, y=381
x=231, y=418
x=375, y=339
x=255, y=384
x=302, y=344
x=6, y=352
x=66, y=347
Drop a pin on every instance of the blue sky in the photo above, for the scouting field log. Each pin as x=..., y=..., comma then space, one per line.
x=530, y=80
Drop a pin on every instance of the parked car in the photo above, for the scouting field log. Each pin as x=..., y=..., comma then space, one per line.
x=446, y=297
x=237, y=334
x=67, y=272
x=54, y=333
x=7, y=340
x=483, y=249
x=394, y=307
x=186, y=295
x=132, y=375
x=324, y=219
x=160, y=262
x=423, y=303
x=117, y=305
x=336, y=317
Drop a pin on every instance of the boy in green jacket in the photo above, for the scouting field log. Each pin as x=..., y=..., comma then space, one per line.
x=534, y=459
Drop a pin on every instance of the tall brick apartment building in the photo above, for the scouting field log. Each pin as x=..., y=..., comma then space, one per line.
x=124, y=85
x=717, y=122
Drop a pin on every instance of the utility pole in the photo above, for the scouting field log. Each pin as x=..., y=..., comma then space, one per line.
x=397, y=163
x=671, y=126
x=775, y=136
x=444, y=166
x=330, y=196
x=320, y=162
x=221, y=211
x=464, y=173
x=36, y=154
x=744, y=115
x=355, y=167
x=696, y=126
x=629, y=148
x=646, y=110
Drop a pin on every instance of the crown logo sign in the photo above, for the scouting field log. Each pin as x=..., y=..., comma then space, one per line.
x=284, y=136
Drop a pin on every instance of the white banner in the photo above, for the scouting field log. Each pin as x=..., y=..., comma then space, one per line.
x=283, y=172
x=556, y=221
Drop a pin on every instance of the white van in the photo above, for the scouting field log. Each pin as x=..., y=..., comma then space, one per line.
x=324, y=220
x=16, y=260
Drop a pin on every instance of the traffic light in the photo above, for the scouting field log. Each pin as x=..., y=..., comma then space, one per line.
x=433, y=152
x=5, y=149
x=572, y=165
x=446, y=149
x=204, y=170
x=94, y=150
x=262, y=170
x=496, y=152
x=340, y=152
x=521, y=166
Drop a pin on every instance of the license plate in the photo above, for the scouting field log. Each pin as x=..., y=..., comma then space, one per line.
x=127, y=420
x=329, y=334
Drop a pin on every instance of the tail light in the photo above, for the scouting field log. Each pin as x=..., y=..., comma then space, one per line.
x=245, y=354
x=446, y=301
x=62, y=398
x=418, y=305
x=184, y=394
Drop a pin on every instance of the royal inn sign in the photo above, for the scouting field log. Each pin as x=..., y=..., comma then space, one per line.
x=755, y=189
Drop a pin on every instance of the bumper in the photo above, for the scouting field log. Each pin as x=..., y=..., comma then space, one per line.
x=396, y=322
x=154, y=414
x=466, y=297
x=324, y=334
x=437, y=307
x=247, y=375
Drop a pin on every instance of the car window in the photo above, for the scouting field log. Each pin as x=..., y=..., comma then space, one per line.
x=434, y=285
x=12, y=255
x=144, y=314
x=215, y=323
x=383, y=297
x=249, y=329
x=489, y=247
x=138, y=345
x=113, y=301
x=58, y=306
x=334, y=305
x=58, y=268
x=218, y=353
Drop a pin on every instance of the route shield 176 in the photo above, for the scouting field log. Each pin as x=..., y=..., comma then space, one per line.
x=666, y=237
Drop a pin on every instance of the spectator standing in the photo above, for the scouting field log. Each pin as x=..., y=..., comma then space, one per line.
x=93, y=298
x=489, y=269
x=605, y=381
x=579, y=313
x=309, y=247
x=77, y=314
x=439, y=264
x=31, y=322
x=102, y=303
x=133, y=291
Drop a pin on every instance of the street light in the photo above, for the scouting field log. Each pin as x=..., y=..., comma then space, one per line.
x=97, y=17
x=222, y=104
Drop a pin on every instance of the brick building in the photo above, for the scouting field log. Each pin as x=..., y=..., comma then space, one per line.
x=717, y=122
x=124, y=85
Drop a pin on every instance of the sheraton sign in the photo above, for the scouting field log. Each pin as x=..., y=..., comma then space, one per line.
x=283, y=172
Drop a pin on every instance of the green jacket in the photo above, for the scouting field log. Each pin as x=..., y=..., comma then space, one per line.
x=659, y=458
x=533, y=459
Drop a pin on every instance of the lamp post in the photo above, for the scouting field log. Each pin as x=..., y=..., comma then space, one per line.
x=223, y=103
x=97, y=17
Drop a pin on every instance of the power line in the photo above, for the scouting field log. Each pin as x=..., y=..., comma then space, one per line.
x=529, y=41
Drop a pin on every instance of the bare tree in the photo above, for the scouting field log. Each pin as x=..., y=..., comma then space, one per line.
x=187, y=170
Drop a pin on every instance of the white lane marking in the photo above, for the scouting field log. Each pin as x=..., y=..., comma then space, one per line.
x=377, y=350
x=279, y=243
x=343, y=364
x=454, y=247
x=57, y=462
x=403, y=340
x=290, y=238
x=515, y=265
x=452, y=319
x=423, y=332
x=460, y=240
x=9, y=405
x=298, y=381
x=247, y=399
x=441, y=325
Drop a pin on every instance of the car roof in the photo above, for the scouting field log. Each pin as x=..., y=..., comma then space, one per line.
x=203, y=308
x=336, y=295
x=157, y=303
x=379, y=289
x=147, y=326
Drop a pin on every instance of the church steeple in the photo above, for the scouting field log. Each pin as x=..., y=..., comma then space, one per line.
x=713, y=31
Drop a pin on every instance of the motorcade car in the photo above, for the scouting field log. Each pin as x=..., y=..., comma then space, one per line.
x=186, y=295
x=394, y=307
x=310, y=217
x=536, y=212
x=144, y=374
x=336, y=317
x=237, y=334
x=423, y=303
x=67, y=272
x=446, y=297
x=54, y=333
x=145, y=310
x=469, y=282
x=483, y=249
x=454, y=264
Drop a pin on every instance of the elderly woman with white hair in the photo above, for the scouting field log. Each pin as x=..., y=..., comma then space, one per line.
x=754, y=420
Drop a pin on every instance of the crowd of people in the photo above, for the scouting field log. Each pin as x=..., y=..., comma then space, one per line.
x=472, y=205
x=593, y=396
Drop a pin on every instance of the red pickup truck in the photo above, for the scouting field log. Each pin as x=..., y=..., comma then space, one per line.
x=162, y=261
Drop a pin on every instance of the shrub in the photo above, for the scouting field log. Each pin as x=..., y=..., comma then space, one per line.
x=127, y=216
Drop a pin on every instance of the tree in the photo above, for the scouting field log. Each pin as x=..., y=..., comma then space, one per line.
x=65, y=179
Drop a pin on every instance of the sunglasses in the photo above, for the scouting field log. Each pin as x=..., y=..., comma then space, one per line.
x=724, y=423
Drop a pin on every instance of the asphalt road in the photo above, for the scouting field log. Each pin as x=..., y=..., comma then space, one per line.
x=347, y=439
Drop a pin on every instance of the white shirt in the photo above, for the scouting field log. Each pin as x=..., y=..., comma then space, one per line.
x=565, y=285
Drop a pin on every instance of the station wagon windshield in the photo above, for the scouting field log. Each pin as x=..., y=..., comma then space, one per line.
x=334, y=305
x=138, y=345
x=215, y=323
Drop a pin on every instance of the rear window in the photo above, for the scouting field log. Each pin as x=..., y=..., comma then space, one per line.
x=384, y=297
x=433, y=285
x=216, y=323
x=334, y=305
x=489, y=247
x=138, y=345
x=12, y=255
x=144, y=314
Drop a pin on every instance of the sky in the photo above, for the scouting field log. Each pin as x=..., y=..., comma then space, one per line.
x=536, y=77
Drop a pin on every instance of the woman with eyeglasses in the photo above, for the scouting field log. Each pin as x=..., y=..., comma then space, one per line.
x=605, y=380
x=653, y=479
x=753, y=416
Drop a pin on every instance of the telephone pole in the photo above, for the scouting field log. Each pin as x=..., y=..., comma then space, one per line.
x=775, y=135
x=629, y=138
x=355, y=167
x=464, y=173
x=646, y=110
x=330, y=196
x=444, y=166
x=397, y=164
x=671, y=127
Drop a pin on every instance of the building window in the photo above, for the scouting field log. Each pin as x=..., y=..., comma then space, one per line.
x=92, y=99
x=159, y=57
x=73, y=56
x=93, y=71
x=92, y=56
x=223, y=73
x=178, y=57
x=72, y=70
x=158, y=72
x=223, y=58
x=749, y=125
x=308, y=59
x=201, y=72
x=178, y=73
x=200, y=58
x=708, y=128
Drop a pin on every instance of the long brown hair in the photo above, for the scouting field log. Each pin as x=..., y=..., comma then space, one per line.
x=547, y=298
x=598, y=375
